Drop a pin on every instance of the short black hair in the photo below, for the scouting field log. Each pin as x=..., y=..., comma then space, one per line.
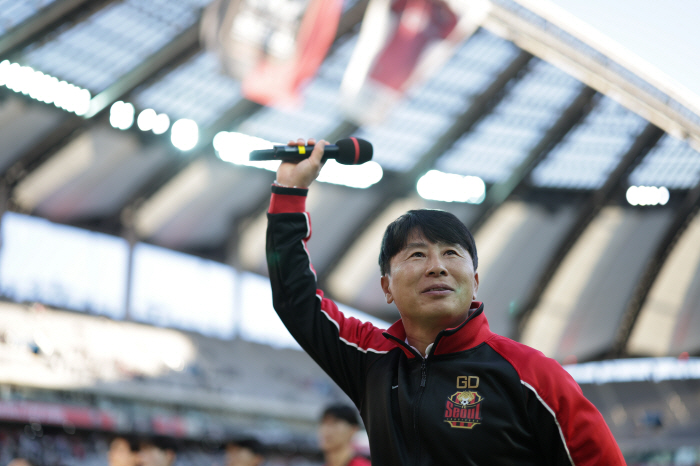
x=342, y=412
x=437, y=226
x=162, y=442
x=249, y=443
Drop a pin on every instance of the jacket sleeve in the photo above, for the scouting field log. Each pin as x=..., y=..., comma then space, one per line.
x=340, y=345
x=570, y=430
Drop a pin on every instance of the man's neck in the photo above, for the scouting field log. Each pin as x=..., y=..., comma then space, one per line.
x=339, y=457
x=420, y=335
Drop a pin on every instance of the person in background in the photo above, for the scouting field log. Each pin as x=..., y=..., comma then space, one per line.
x=156, y=451
x=338, y=426
x=19, y=462
x=244, y=452
x=120, y=452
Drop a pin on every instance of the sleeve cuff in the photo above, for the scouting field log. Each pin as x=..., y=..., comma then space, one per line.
x=287, y=200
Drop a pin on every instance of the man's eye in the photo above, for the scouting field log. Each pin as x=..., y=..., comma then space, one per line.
x=417, y=254
x=451, y=251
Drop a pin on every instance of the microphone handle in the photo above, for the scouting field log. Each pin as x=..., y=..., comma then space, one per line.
x=292, y=153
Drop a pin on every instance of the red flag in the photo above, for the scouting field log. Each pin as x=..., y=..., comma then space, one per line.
x=402, y=43
x=272, y=47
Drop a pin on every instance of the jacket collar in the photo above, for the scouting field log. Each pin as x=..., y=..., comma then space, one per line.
x=470, y=333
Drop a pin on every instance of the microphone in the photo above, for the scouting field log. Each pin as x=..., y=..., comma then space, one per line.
x=350, y=151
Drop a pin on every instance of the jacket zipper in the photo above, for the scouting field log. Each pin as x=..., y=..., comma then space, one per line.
x=423, y=377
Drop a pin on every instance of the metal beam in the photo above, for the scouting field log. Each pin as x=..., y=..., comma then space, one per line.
x=395, y=186
x=45, y=20
x=686, y=212
x=595, y=202
x=499, y=192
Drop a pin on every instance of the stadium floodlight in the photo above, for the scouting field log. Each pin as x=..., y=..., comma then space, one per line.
x=184, y=134
x=355, y=176
x=161, y=123
x=236, y=148
x=44, y=88
x=449, y=187
x=647, y=195
x=121, y=115
x=146, y=119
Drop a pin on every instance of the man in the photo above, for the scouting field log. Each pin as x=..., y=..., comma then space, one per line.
x=120, y=452
x=438, y=387
x=244, y=452
x=156, y=451
x=338, y=426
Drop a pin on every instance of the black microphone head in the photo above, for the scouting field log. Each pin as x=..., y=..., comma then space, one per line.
x=353, y=151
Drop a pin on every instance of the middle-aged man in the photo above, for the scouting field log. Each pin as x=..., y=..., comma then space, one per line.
x=438, y=387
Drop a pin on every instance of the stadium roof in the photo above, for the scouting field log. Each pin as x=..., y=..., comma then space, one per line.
x=582, y=171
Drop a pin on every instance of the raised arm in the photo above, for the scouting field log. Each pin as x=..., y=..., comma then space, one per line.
x=340, y=345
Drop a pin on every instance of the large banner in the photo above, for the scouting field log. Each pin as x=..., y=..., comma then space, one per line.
x=272, y=46
x=401, y=43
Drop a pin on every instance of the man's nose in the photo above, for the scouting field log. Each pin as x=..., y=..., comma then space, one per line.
x=436, y=267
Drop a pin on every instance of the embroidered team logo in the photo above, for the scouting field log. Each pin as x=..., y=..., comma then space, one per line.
x=463, y=409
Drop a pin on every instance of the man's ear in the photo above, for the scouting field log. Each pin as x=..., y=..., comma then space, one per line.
x=476, y=286
x=385, y=288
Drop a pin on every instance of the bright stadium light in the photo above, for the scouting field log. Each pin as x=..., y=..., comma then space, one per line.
x=44, y=88
x=146, y=119
x=647, y=195
x=161, y=123
x=448, y=187
x=236, y=148
x=121, y=115
x=354, y=176
x=184, y=134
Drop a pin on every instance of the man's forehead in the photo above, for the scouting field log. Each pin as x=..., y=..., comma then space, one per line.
x=417, y=239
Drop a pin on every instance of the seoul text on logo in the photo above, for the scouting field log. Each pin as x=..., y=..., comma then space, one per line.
x=463, y=408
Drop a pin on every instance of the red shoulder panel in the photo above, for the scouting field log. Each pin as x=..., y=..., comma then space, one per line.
x=587, y=437
x=362, y=335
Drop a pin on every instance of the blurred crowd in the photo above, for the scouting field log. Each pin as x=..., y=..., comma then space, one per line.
x=36, y=445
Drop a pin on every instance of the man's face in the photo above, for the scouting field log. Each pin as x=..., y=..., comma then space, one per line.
x=239, y=456
x=150, y=455
x=334, y=433
x=120, y=453
x=432, y=284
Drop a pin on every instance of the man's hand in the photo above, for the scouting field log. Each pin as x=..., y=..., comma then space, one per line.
x=302, y=174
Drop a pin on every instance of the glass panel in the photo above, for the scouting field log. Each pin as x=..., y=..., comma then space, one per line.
x=198, y=89
x=504, y=138
x=94, y=53
x=15, y=12
x=592, y=150
x=671, y=163
x=430, y=109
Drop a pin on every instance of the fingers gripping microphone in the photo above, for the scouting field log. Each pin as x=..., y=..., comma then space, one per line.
x=350, y=151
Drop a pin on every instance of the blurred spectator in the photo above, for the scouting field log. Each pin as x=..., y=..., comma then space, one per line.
x=156, y=451
x=244, y=452
x=339, y=424
x=19, y=462
x=121, y=452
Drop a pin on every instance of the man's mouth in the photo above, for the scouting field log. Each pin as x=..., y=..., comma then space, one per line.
x=437, y=288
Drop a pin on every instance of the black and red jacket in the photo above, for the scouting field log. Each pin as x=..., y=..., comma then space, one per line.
x=477, y=399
